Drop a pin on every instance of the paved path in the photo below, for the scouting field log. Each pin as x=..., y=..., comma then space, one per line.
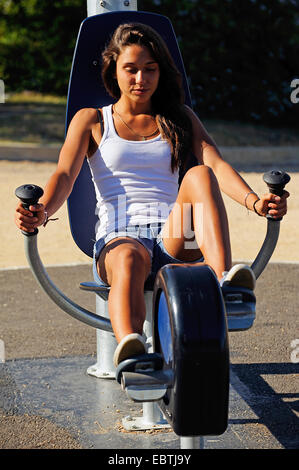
x=48, y=401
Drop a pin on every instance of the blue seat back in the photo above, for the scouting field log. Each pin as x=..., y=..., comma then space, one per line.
x=86, y=90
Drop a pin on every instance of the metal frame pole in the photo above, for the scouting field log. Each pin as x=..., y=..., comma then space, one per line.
x=106, y=342
x=96, y=7
x=192, y=442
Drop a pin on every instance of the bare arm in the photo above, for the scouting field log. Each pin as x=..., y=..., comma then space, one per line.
x=229, y=180
x=60, y=184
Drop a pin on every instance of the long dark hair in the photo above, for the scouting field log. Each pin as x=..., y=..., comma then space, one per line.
x=168, y=100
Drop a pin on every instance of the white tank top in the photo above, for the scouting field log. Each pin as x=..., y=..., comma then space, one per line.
x=133, y=180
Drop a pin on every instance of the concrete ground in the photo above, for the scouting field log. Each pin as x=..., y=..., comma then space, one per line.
x=48, y=401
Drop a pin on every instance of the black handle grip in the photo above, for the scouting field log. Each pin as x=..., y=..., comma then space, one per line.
x=276, y=181
x=29, y=194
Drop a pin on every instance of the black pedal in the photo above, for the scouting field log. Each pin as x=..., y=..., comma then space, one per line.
x=240, y=305
x=140, y=363
x=237, y=294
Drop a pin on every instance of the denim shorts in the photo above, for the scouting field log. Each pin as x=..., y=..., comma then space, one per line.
x=150, y=237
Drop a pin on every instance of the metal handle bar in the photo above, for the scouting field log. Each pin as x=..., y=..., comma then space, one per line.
x=276, y=181
x=55, y=294
x=266, y=251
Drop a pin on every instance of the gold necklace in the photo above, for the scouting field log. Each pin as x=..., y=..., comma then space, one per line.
x=143, y=137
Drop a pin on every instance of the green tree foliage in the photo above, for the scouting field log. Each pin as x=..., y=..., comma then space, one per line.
x=37, y=40
x=240, y=55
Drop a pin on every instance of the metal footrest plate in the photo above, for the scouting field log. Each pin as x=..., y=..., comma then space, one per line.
x=146, y=393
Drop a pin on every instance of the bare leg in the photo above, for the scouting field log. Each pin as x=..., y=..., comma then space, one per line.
x=125, y=264
x=200, y=192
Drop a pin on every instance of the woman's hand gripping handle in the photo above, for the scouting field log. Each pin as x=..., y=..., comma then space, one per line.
x=29, y=214
x=276, y=181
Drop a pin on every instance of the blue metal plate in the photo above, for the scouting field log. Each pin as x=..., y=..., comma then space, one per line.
x=164, y=329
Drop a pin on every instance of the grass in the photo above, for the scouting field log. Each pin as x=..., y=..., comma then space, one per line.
x=34, y=97
x=30, y=117
x=233, y=134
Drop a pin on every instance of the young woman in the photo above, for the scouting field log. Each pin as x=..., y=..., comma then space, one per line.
x=135, y=149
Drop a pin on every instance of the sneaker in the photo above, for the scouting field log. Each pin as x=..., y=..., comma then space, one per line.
x=239, y=275
x=131, y=345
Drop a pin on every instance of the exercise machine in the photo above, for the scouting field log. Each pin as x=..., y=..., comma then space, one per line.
x=183, y=381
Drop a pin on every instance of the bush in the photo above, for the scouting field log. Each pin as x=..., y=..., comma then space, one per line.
x=240, y=57
x=37, y=41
